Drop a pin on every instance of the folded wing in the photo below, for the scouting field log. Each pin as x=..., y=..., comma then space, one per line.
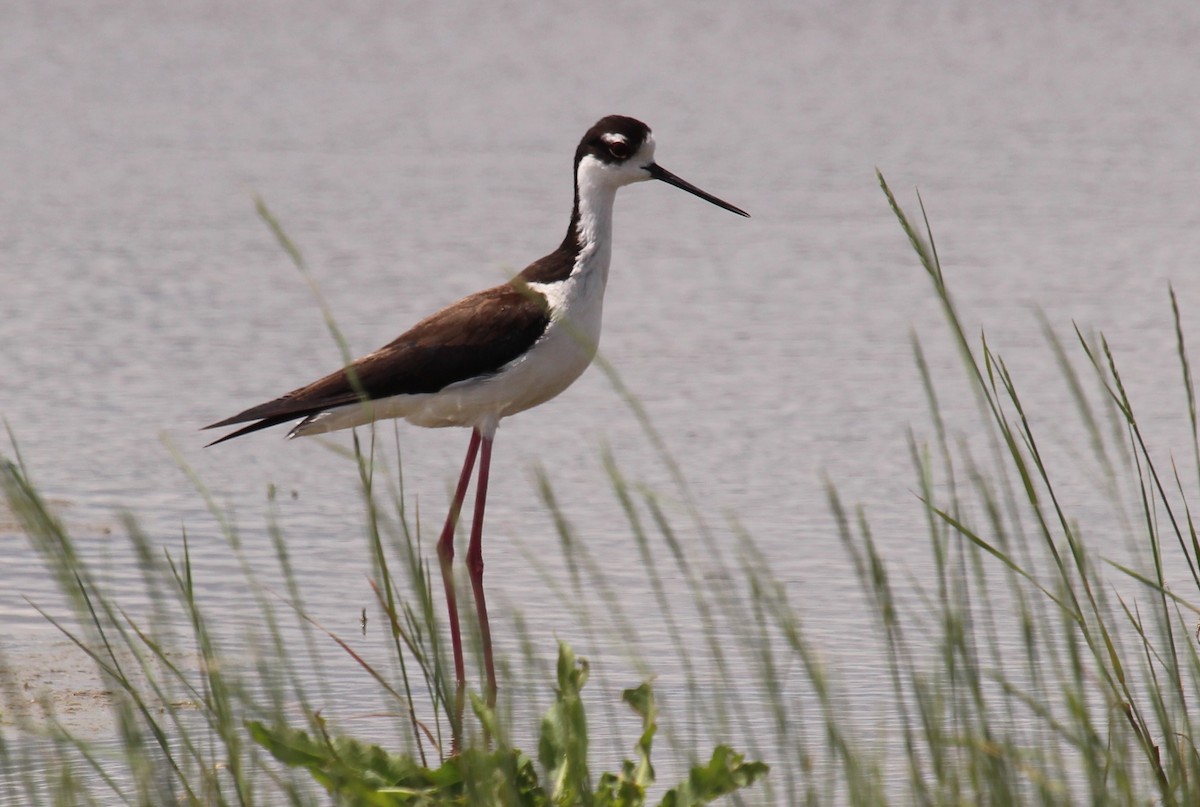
x=472, y=338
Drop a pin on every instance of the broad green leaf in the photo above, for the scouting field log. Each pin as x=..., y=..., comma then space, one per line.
x=725, y=773
x=562, y=746
x=642, y=700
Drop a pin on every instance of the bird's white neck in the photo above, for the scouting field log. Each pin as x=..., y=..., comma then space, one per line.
x=594, y=221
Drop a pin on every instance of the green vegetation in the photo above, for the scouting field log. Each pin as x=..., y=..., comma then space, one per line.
x=370, y=775
x=1025, y=669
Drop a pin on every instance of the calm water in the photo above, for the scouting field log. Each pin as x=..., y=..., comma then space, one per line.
x=417, y=153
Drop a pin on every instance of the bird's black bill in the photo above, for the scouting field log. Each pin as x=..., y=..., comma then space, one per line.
x=658, y=172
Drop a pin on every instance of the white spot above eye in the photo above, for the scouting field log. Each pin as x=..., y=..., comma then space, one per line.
x=613, y=137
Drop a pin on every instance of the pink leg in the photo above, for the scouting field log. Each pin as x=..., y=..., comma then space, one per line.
x=475, y=565
x=446, y=555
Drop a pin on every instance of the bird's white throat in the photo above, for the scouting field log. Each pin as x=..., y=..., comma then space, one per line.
x=594, y=229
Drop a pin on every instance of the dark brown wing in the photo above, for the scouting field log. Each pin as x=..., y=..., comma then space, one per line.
x=472, y=338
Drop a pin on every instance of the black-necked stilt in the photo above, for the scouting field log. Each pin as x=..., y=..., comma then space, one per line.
x=493, y=354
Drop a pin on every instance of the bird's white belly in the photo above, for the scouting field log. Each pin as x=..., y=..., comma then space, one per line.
x=554, y=362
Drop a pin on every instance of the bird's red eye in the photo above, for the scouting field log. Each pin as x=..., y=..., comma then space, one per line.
x=619, y=149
